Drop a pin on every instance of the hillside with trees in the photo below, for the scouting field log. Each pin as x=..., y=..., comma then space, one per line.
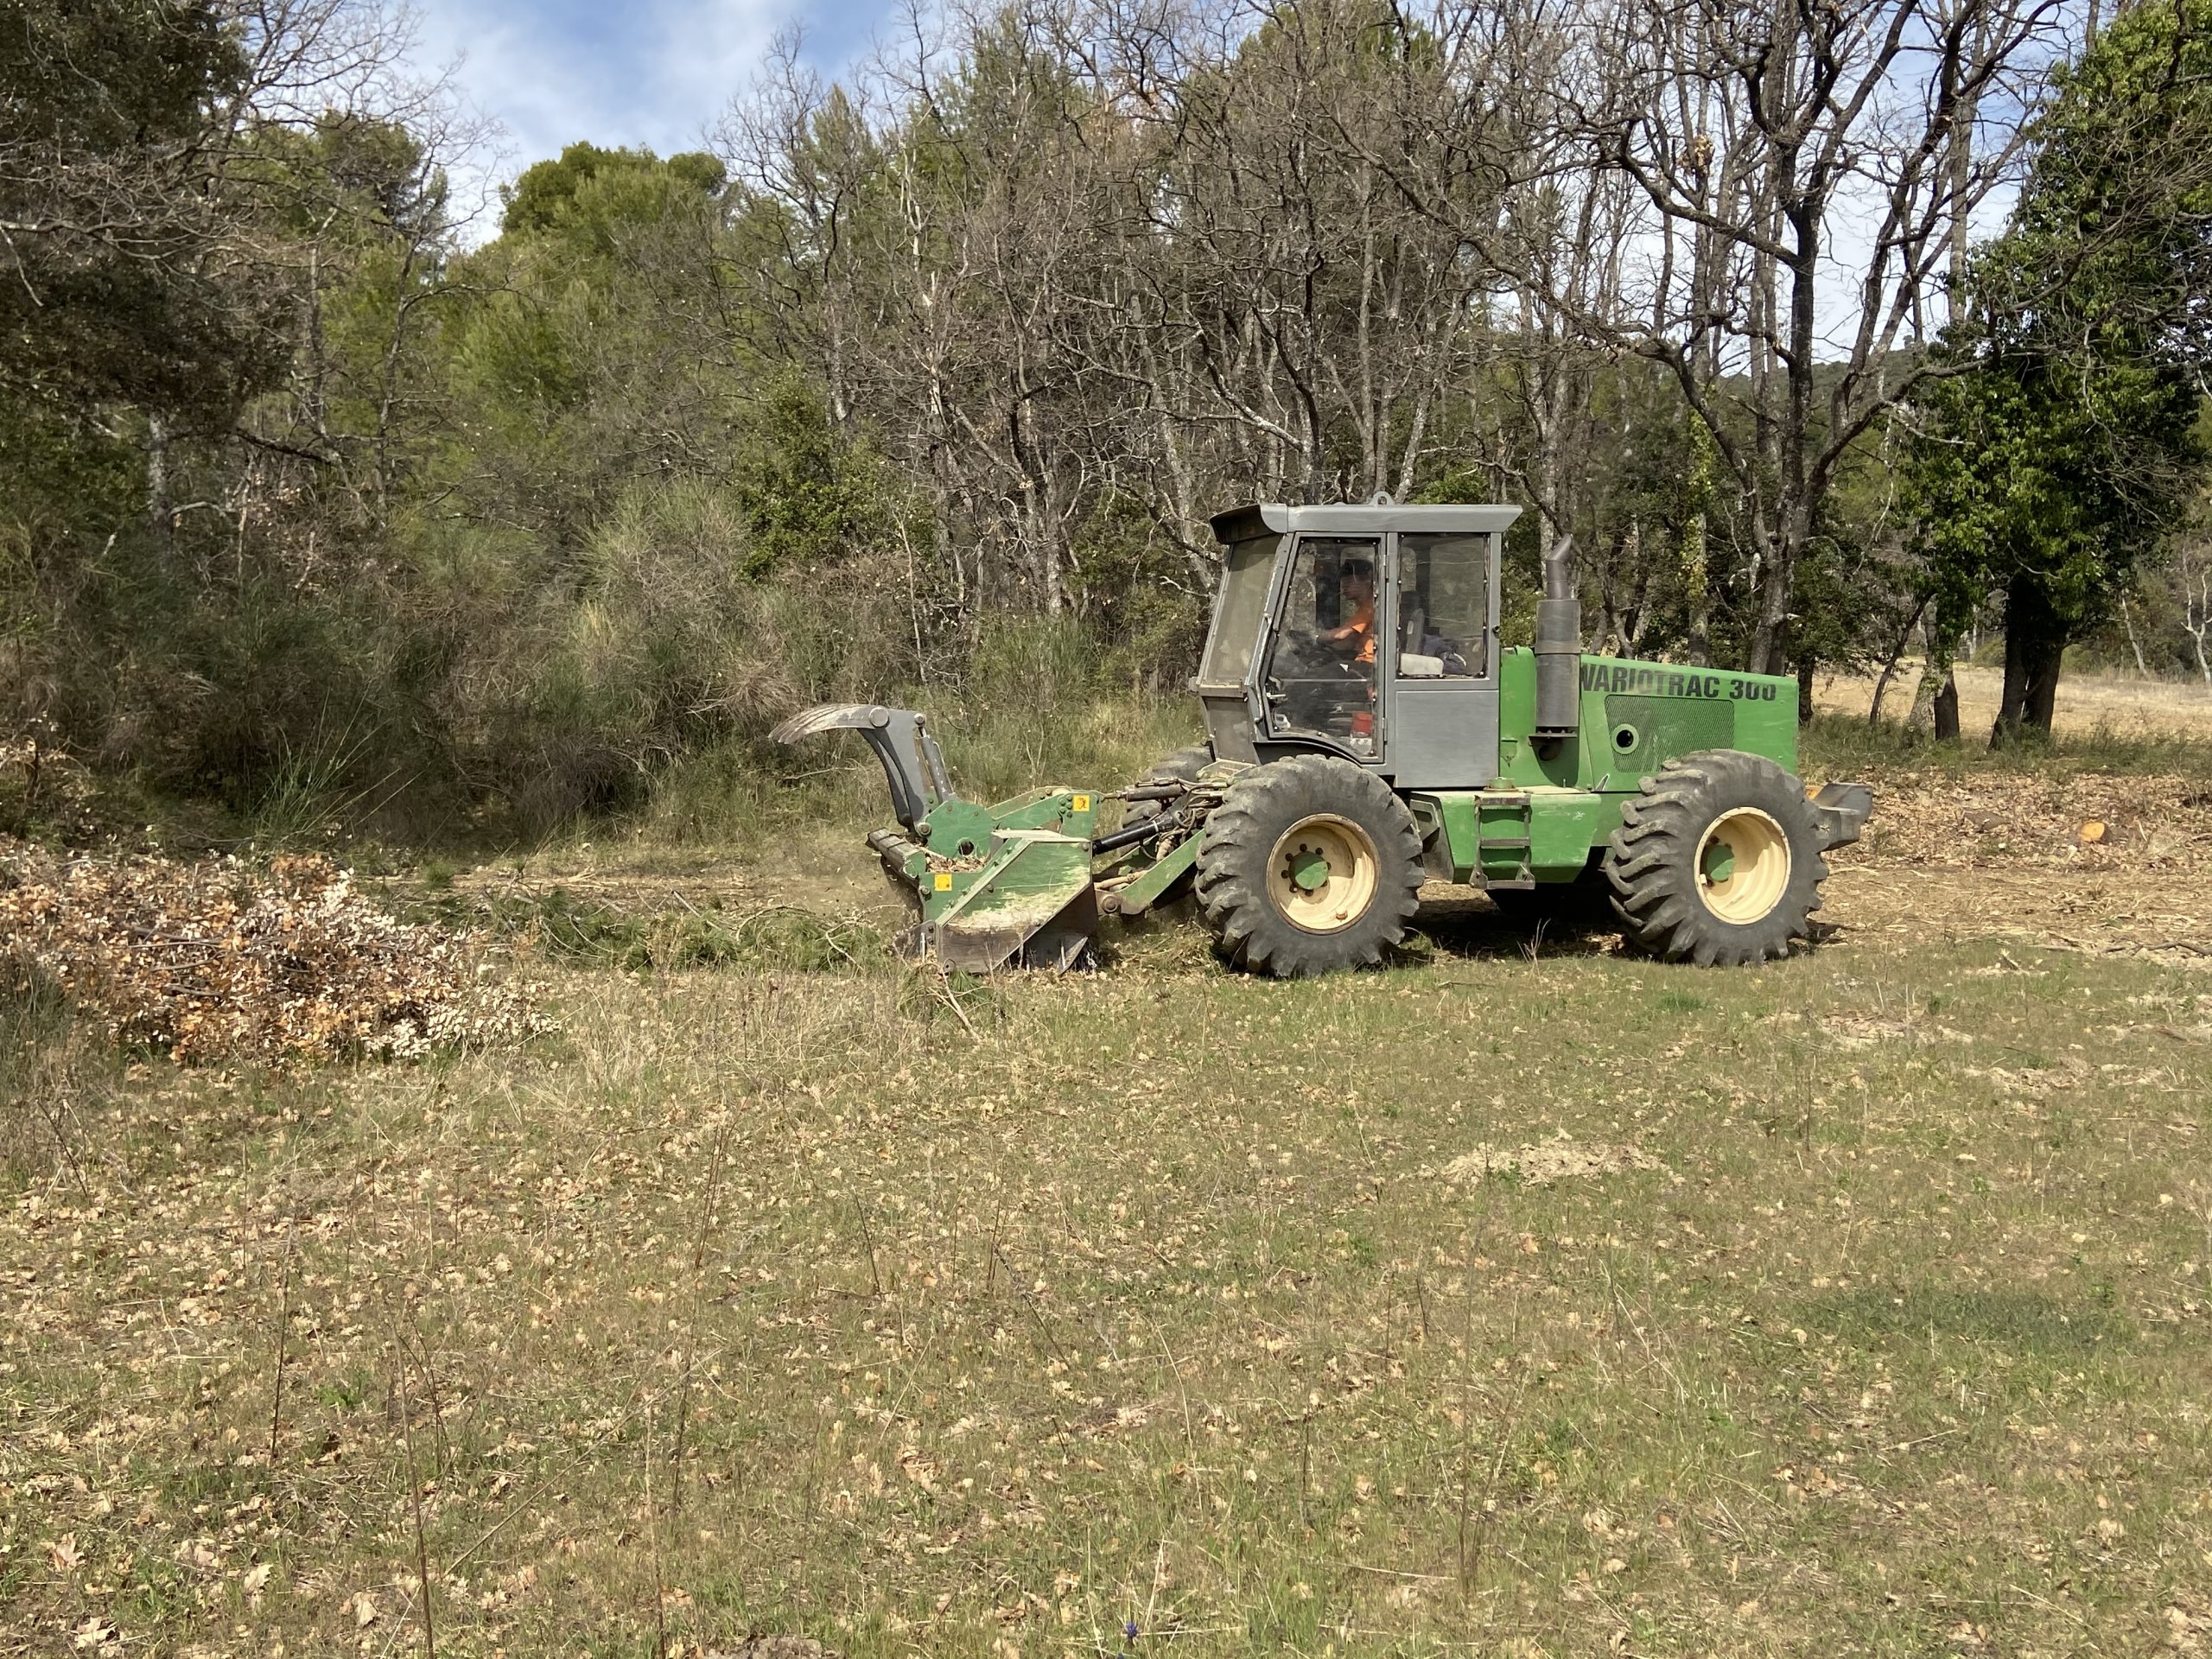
x=1834, y=336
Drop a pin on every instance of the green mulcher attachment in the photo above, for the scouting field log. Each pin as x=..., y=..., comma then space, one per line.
x=992, y=885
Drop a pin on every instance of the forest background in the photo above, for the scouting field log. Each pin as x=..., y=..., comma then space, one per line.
x=1863, y=336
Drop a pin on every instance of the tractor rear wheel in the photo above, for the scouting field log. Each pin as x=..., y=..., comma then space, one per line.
x=1308, y=865
x=1717, y=862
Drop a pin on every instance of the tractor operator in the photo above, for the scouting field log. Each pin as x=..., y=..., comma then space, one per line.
x=1356, y=637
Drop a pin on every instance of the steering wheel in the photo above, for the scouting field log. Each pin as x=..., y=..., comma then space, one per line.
x=1309, y=655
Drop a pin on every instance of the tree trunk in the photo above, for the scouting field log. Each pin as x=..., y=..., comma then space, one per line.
x=1807, y=666
x=1889, y=665
x=160, y=516
x=1947, y=711
x=1698, y=649
x=2043, y=688
x=2035, y=643
x=1785, y=551
x=2127, y=617
x=2197, y=609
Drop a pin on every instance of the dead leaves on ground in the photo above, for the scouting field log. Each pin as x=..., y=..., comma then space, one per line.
x=221, y=959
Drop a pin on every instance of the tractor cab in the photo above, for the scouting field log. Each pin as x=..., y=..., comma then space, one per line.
x=1369, y=631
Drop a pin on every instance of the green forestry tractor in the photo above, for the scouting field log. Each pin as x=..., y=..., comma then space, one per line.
x=1367, y=734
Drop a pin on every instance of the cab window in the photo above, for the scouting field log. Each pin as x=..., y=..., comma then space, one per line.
x=1444, y=606
x=1320, y=675
x=1237, y=617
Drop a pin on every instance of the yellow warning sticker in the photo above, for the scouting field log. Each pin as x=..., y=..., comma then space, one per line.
x=943, y=881
x=1081, y=803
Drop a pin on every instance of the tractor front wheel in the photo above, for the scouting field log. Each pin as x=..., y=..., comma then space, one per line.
x=1716, y=862
x=1308, y=865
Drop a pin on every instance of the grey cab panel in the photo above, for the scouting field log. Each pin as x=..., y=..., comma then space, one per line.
x=1440, y=694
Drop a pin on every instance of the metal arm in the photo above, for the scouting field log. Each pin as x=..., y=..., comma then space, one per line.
x=912, y=761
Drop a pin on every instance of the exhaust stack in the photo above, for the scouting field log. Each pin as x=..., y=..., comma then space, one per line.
x=1559, y=646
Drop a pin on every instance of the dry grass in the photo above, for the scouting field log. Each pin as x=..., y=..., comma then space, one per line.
x=929, y=1318
x=2088, y=704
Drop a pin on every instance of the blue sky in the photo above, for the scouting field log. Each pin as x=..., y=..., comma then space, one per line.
x=652, y=72
x=660, y=73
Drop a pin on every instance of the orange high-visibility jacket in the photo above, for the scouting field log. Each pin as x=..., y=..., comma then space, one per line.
x=1360, y=628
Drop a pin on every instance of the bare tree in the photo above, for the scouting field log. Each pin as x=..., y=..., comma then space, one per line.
x=1850, y=143
x=2193, y=575
x=1799, y=171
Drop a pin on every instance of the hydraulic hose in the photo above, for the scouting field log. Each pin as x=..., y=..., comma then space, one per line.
x=1129, y=833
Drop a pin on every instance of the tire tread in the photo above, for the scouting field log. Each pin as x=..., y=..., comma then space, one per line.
x=1241, y=833
x=1648, y=860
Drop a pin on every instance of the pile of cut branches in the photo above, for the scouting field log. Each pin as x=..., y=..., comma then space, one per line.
x=219, y=959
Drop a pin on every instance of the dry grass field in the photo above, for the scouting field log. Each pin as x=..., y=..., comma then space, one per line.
x=1524, y=1299
x=2088, y=704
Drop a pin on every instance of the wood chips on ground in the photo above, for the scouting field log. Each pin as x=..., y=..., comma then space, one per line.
x=2109, y=865
x=2089, y=821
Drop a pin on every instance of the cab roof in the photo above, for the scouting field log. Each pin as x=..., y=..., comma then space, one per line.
x=1358, y=518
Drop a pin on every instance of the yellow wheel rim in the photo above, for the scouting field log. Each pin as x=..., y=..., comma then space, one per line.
x=1743, y=865
x=1322, y=874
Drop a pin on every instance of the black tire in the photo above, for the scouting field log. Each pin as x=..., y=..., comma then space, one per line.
x=1343, y=807
x=1672, y=908
x=1184, y=765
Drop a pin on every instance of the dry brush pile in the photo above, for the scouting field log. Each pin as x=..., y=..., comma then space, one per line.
x=221, y=959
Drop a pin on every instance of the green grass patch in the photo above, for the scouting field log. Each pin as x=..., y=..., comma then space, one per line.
x=562, y=927
x=2015, y=1322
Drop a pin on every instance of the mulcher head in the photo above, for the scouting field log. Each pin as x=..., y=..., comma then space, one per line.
x=995, y=884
